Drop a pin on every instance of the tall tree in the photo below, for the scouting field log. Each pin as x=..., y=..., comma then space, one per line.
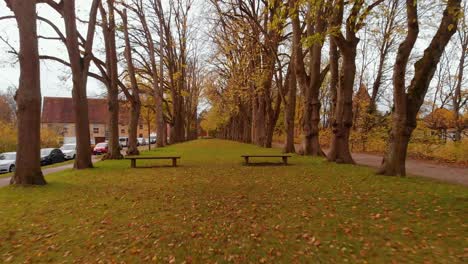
x=387, y=26
x=108, y=29
x=159, y=86
x=347, y=44
x=460, y=98
x=310, y=78
x=80, y=54
x=28, y=97
x=139, y=9
x=134, y=96
x=408, y=100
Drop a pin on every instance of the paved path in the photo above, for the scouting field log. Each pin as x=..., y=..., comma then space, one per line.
x=415, y=167
x=6, y=181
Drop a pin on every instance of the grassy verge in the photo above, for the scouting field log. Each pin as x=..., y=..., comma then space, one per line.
x=214, y=209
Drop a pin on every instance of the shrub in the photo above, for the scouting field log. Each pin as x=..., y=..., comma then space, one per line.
x=8, y=138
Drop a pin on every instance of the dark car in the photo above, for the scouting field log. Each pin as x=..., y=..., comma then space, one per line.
x=51, y=156
x=101, y=148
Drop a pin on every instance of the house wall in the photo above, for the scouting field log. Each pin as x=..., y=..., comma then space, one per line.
x=142, y=131
x=97, y=132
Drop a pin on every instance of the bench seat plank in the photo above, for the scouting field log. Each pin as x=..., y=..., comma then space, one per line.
x=133, y=159
x=282, y=156
x=266, y=156
x=140, y=158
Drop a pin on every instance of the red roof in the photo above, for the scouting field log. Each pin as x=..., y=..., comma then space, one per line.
x=60, y=110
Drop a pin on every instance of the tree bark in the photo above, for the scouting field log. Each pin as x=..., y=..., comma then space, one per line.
x=134, y=98
x=290, y=111
x=161, y=139
x=310, y=82
x=334, y=76
x=407, y=102
x=80, y=68
x=28, y=97
x=458, y=100
x=343, y=118
x=108, y=28
x=157, y=80
x=343, y=114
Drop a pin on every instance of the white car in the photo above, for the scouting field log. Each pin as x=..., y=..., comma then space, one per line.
x=123, y=141
x=69, y=150
x=141, y=141
x=7, y=162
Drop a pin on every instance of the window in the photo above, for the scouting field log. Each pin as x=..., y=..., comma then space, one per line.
x=96, y=130
x=122, y=131
x=141, y=135
x=65, y=130
x=141, y=126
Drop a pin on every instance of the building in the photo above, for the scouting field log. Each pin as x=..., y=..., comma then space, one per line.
x=58, y=115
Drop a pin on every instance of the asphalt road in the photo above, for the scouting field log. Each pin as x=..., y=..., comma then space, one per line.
x=6, y=181
x=420, y=168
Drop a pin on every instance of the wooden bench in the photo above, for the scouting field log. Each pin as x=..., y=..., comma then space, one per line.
x=283, y=157
x=134, y=159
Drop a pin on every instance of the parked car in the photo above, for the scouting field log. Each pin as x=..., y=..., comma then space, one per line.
x=69, y=150
x=123, y=141
x=7, y=162
x=152, y=140
x=141, y=141
x=101, y=148
x=51, y=156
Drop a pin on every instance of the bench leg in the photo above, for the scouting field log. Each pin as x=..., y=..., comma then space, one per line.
x=174, y=162
x=285, y=160
x=133, y=163
x=246, y=160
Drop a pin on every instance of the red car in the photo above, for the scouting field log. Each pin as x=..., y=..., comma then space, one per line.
x=101, y=148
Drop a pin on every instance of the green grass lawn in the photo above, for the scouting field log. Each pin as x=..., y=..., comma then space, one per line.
x=214, y=209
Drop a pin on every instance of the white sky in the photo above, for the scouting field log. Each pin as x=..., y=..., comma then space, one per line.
x=55, y=79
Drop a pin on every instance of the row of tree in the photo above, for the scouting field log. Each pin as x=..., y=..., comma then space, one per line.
x=146, y=56
x=270, y=52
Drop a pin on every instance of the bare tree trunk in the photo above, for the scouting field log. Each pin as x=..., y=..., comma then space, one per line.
x=290, y=111
x=160, y=124
x=458, y=100
x=133, y=130
x=272, y=119
x=28, y=97
x=80, y=67
x=334, y=76
x=312, y=105
x=253, y=99
x=134, y=98
x=157, y=80
x=347, y=44
x=343, y=118
x=260, y=123
x=108, y=27
x=310, y=83
x=408, y=101
x=165, y=135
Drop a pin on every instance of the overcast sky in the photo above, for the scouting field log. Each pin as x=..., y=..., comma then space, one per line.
x=55, y=78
